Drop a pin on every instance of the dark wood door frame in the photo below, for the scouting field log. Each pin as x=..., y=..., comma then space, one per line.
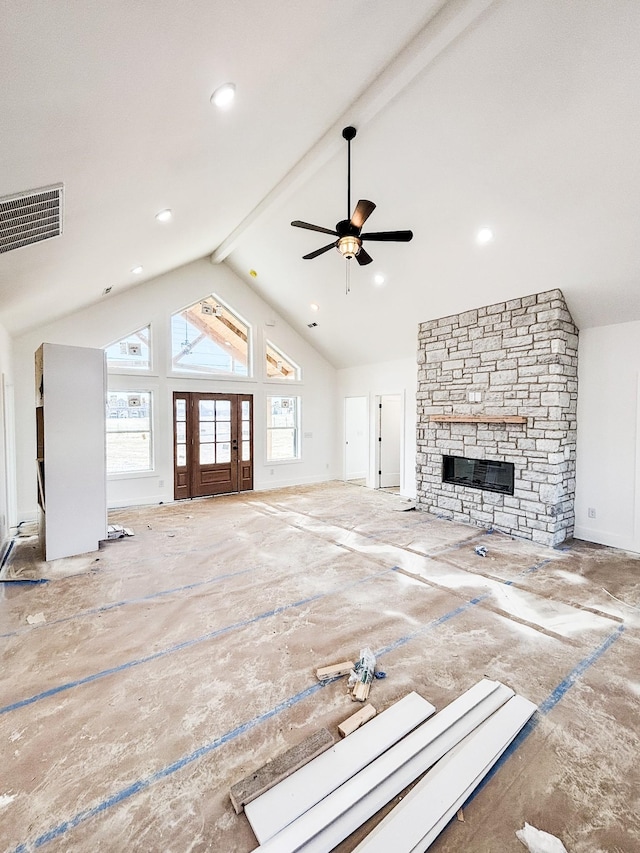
x=213, y=444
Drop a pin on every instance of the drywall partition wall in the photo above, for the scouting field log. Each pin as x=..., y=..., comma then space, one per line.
x=608, y=448
x=7, y=465
x=153, y=302
x=377, y=380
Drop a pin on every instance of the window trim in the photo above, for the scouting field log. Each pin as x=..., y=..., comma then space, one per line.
x=279, y=380
x=114, y=370
x=298, y=430
x=186, y=373
x=142, y=472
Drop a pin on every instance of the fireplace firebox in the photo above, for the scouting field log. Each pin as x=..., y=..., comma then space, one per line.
x=485, y=474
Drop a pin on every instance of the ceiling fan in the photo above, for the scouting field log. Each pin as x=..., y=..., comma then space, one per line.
x=349, y=231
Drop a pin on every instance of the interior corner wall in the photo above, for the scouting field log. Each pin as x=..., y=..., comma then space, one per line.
x=375, y=380
x=7, y=468
x=608, y=447
x=153, y=302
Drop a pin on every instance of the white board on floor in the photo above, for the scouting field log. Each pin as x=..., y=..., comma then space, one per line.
x=413, y=825
x=282, y=804
x=331, y=820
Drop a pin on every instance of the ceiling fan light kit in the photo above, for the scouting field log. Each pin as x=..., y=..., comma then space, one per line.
x=349, y=231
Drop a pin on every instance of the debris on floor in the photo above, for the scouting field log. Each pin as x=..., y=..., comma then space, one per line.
x=36, y=619
x=117, y=531
x=481, y=551
x=460, y=815
x=333, y=795
x=356, y=720
x=279, y=768
x=362, y=675
x=539, y=841
x=324, y=673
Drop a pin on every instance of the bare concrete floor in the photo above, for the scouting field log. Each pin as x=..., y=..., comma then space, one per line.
x=171, y=664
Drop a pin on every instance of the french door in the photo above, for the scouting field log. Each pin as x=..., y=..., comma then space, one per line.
x=213, y=444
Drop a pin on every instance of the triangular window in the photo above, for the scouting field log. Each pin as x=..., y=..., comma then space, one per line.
x=207, y=337
x=279, y=365
x=133, y=352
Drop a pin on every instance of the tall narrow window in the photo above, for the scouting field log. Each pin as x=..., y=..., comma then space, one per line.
x=279, y=365
x=133, y=352
x=283, y=428
x=129, y=446
x=207, y=337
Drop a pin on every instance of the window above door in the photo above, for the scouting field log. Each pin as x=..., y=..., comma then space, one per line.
x=208, y=338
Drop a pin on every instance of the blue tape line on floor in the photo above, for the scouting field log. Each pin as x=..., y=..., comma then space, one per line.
x=143, y=784
x=554, y=697
x=53, y=691
x=105, y=607
x=549, y=703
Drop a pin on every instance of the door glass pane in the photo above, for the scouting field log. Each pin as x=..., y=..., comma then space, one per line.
x=206, y=431
x=223, y=410
x=223, y=431
x=181, y=432
x=246, y=451
x=207, y=454
x=207, y=410
x=224, y=452
x=246, y=411
x=181, y=455
x=246, y=430
x=181, y=410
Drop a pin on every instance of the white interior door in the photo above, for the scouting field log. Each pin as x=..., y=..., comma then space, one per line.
x=389, y=440
x=356, y=430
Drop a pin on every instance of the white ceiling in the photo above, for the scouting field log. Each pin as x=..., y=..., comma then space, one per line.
x=523, y=115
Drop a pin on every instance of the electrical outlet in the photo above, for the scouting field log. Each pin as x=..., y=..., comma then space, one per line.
x=591, y=512
x=161, y=484
x=272, y=472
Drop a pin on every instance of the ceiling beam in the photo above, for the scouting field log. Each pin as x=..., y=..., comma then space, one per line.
x=451, y=20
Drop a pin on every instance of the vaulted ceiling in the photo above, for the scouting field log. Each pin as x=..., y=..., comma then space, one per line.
x=516, y=115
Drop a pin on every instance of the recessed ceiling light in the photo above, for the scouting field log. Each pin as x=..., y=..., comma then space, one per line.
x=164, y=215
x=224, y=95
x=314, y=306
x=484, y=236
x=136, y=270
x=378, y=278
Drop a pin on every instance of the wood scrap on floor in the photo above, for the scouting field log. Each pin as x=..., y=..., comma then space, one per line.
x=460, y=743
x=361, y=691
x=334, y=670
x=283, y=804
x=279, y=768
x=356, y=720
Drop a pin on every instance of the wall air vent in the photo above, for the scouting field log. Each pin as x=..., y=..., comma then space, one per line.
x=30, y=217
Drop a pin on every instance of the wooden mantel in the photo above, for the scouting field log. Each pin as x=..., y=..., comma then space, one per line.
x=478, y=419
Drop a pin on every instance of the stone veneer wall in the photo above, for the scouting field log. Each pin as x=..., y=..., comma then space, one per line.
x=521, y=356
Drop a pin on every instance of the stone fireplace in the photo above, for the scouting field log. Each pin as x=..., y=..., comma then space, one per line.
x=500, y=385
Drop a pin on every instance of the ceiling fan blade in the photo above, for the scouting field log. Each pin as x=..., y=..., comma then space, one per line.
x=297, y=224
x=389, y=236
x=363, y=211
x=319, y=251
x=363, y=257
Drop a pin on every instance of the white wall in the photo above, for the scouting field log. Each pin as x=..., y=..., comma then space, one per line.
x=608, y=449
x=7, y=468
x=374, y=380
x=153, y=302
